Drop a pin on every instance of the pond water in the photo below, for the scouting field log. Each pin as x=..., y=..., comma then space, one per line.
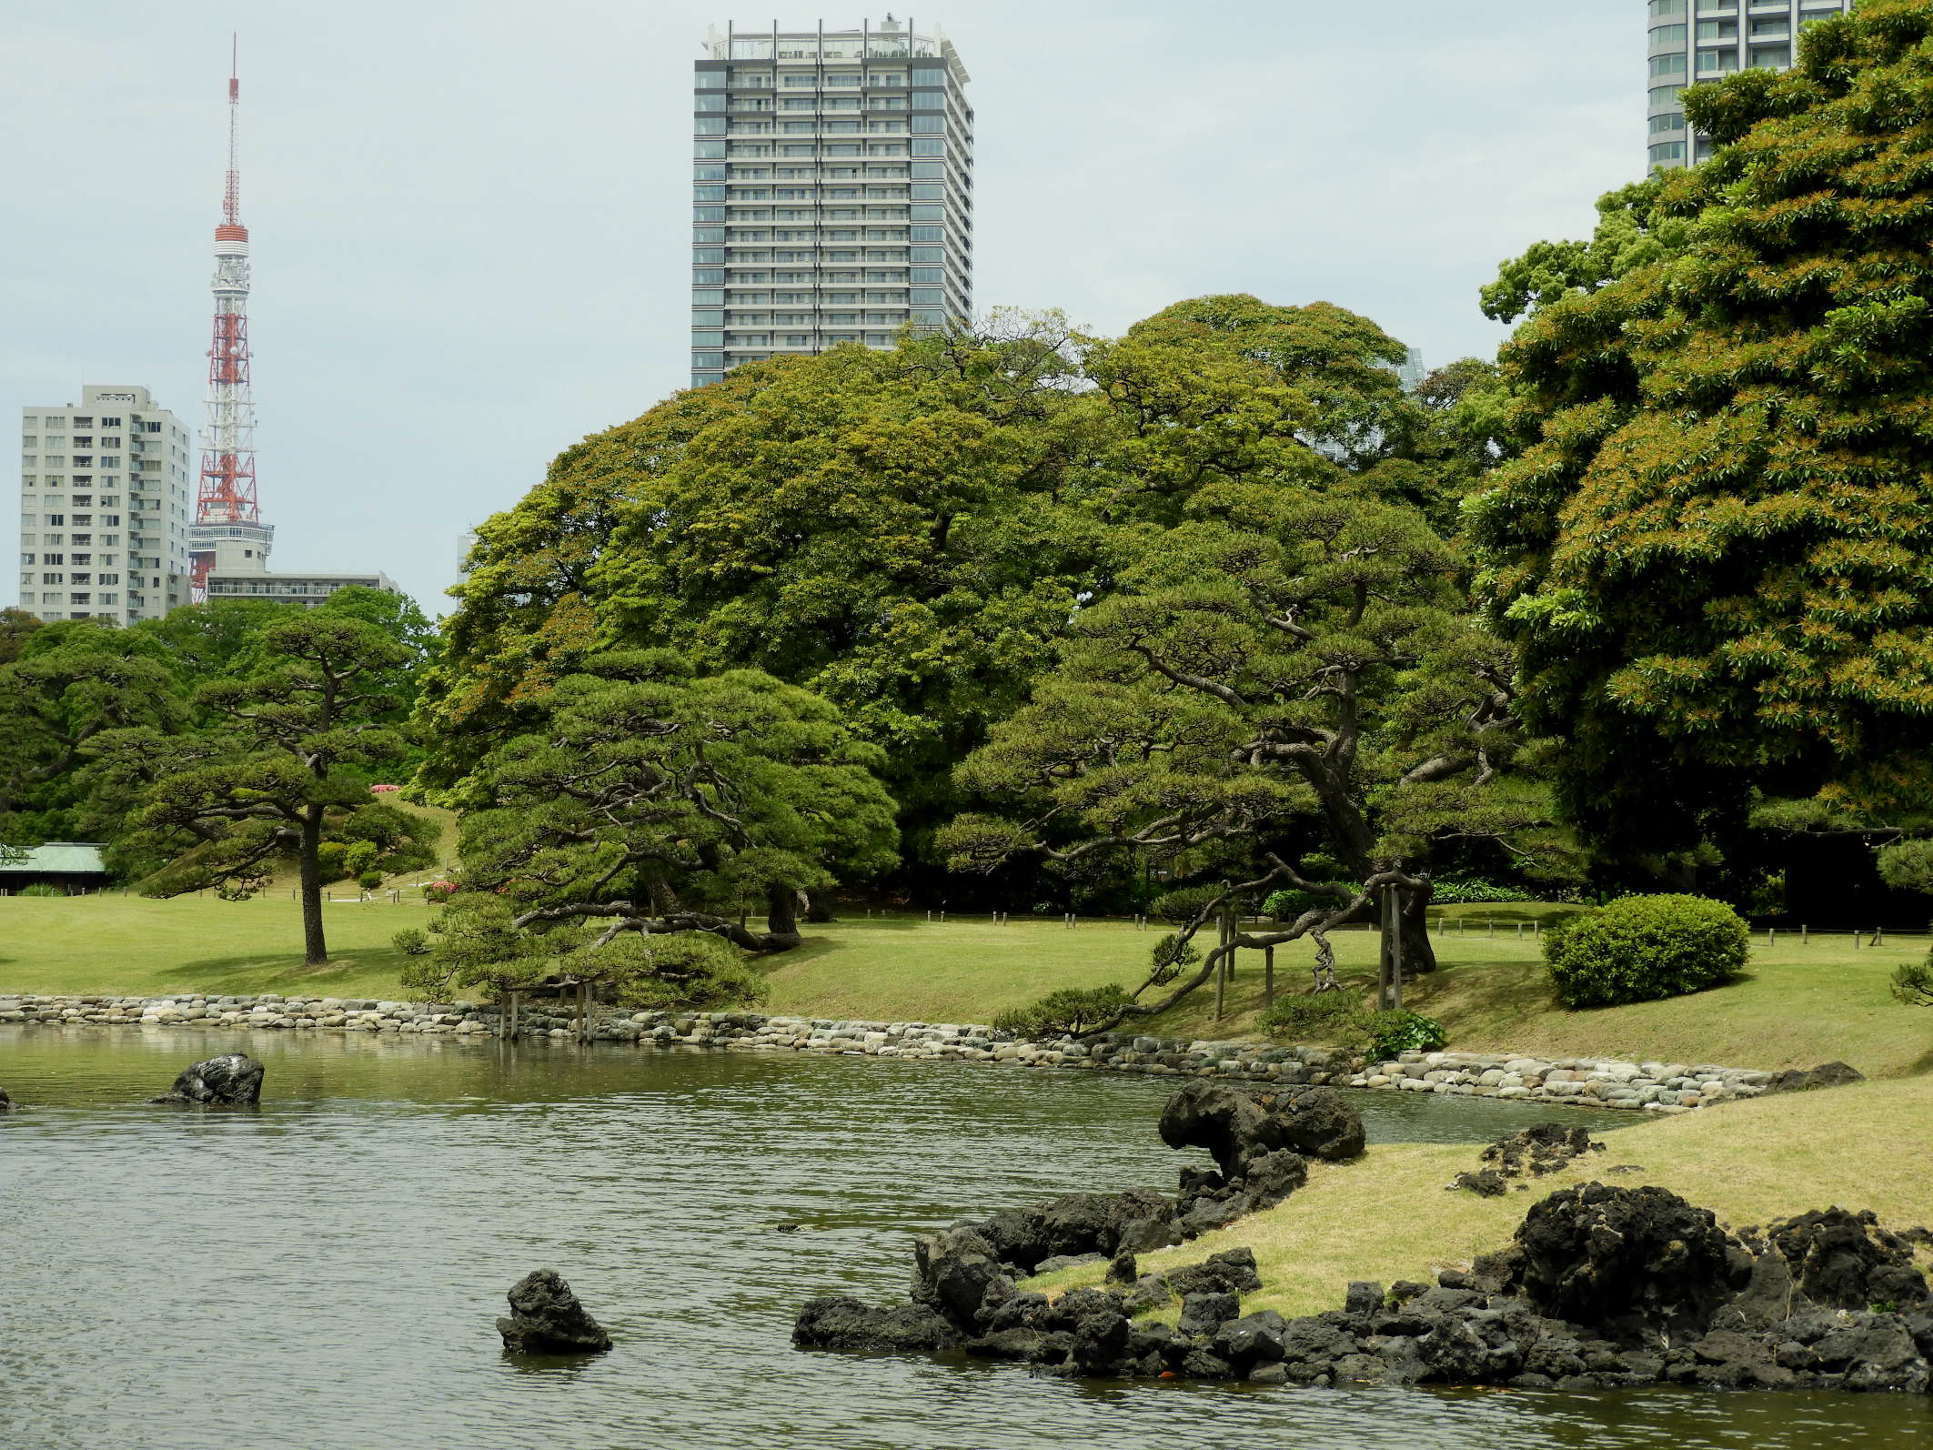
x=324, y=1273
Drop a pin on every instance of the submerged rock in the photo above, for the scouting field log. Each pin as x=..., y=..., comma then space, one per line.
x=545, y=1318
x=7, y=1104
x=848, y=1324
x=232, y=1080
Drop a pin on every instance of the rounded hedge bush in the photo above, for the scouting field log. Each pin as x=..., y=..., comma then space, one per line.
x=1644, y=948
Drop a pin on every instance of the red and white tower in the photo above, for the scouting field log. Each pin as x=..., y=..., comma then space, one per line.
x=228, y=531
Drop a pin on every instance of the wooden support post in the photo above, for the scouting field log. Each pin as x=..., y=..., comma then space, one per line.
x=1268, y=978
x=1226, y=934
x=1805, y=935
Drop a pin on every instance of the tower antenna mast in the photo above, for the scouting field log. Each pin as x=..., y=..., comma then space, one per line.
x=225, y=502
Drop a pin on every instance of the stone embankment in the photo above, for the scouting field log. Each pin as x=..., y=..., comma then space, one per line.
x=1657, y=1087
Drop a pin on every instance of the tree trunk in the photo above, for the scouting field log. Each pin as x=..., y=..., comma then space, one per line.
x=315, y=951
x=1413, y=926
x=781, y=918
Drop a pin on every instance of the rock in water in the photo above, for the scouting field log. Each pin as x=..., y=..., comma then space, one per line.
x=7, y=1104
x=545, y=1318
x=233, y=1079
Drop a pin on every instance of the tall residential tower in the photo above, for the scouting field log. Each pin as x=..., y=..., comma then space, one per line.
x=103, y=507
x=1701, y=40
x=832, y=196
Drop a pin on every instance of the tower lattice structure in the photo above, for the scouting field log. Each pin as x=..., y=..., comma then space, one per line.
x=225, y=497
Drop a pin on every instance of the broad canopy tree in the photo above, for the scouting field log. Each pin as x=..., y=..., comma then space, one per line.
x=289, y=746
x=646, y=817
x=1293, y=691
x=907, y=532
x=1713, y=552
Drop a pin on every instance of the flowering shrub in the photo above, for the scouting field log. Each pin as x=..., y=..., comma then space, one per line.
x=383, y=789
x=439, y=891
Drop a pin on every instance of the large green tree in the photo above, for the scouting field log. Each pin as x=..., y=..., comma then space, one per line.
x=1713, y=553
x=908, y=532
x=289, y=745
x=649, y=803
x=1292, y=692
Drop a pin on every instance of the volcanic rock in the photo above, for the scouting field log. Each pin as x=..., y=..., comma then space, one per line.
x=545, y=1318
x=231, y=1080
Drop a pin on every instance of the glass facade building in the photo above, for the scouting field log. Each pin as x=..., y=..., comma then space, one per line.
x=832, y=191
x=1702, y=40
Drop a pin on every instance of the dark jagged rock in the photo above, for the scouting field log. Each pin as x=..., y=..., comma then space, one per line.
x=7, y=1104
x=1237, y=1126
x=1487, y=1183
x=956, y=1273
x=1122, y=1269
x=1635, y=1261
x=1100, y=1338
x=1847, y=1261
x=1362, y=1299
x=845, y=1323
x=1804, y=1079
x=1203, y=1313
x=1232, y=1271
x=1078, y=1224
x=1540, y=1149
x=545, y=1318
x=1252, y=1340
x=231, y=1080
x=1068, y=1261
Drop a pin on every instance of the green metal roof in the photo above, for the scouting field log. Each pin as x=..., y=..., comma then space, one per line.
x=68, y=856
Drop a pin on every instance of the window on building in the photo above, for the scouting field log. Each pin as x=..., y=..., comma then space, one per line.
x=1778, y=57
x=1667, y=151
x=1668, y=121
x=925, y=147
x=1667, y=35
x=708, y=125
x=1668, y=65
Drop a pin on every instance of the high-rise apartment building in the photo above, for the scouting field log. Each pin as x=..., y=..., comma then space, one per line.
x=105, y=494
x=832, y=195
x=1702, y=40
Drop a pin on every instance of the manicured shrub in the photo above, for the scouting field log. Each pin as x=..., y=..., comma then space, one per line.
x=1391, y=1033
x=40, y=888
x=1644, y=948
x=411, y=942
x=329, y=861
x=370, y=880
x=1287, y=905
x=360, y=857
x=1313, y=1017
x=1182, y=905
x=1913, y=983
x=1461, y=890
x=1066, y=1013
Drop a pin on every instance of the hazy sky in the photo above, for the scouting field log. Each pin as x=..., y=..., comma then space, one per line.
x=469, y=220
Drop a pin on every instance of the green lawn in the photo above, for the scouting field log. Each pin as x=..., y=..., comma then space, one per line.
x=1858, y=1147
x=134, y=947
x=1800, y=1005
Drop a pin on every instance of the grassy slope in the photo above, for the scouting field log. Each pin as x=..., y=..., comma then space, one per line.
x=1860, y=1147
x=1801, y=1004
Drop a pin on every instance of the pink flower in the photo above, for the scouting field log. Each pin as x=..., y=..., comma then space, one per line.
x=383, y=789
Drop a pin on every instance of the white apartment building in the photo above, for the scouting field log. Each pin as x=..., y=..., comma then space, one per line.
x=832, y=192
x=1702, y=40
x=106, y=496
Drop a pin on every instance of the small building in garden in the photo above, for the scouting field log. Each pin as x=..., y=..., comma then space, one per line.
x=70, y=867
